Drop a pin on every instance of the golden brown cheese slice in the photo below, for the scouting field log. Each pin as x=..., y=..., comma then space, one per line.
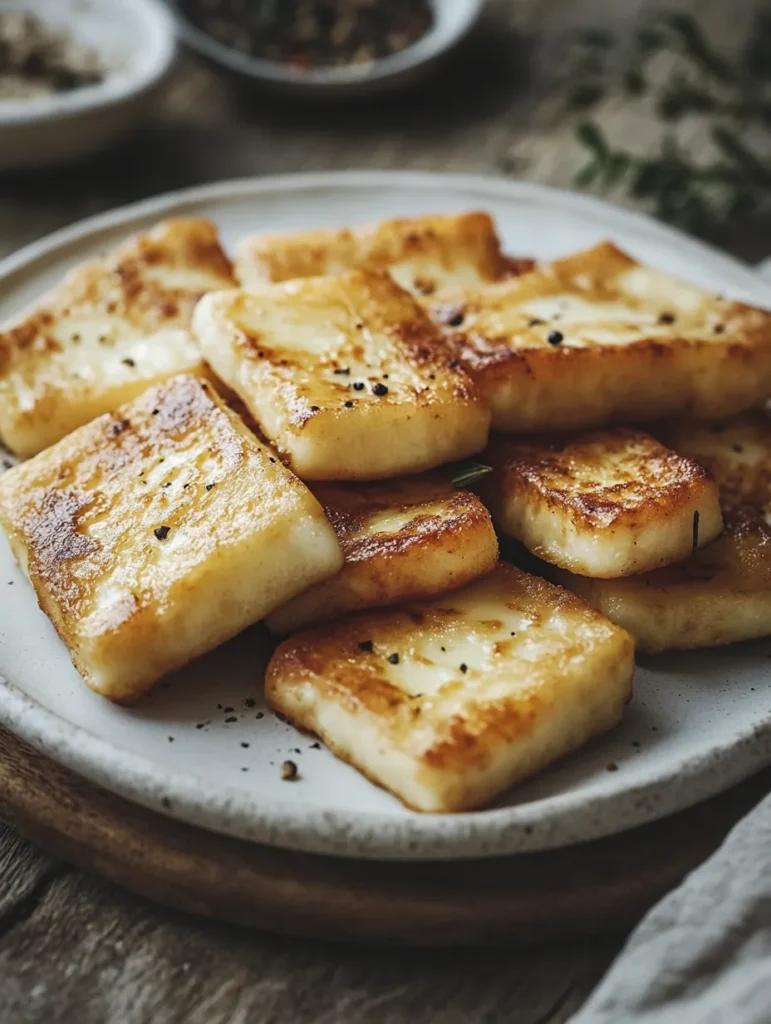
x=609, y=503
x=425, y=255
x=736, y=451
x=723, y=593
x=403, y=540
x=346, y=375
x=108, y=331
x=154, y=534
x=450, y=702
x=598, y=338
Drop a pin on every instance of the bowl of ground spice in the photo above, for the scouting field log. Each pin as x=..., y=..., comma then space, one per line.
x=325, y=48
x=76, y=74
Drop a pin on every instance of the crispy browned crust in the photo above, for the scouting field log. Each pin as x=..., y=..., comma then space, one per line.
x=330, y=660
x=49, y=501
x=349, y=507
x=123, y=285
x=447, y=241
x=507, y=351
x=568, y=473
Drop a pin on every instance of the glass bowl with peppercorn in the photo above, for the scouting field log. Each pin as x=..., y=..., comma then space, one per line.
x=76, y=74
x=333, y=48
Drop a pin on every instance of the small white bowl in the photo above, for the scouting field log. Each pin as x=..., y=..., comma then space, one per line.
x=136, y=41
x=453, y=19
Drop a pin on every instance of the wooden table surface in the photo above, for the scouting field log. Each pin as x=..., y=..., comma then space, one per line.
x=74, y=949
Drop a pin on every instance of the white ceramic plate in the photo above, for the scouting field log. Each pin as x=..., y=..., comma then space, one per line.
x=698, y=723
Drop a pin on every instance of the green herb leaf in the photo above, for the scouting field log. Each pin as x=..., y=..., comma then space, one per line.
x=587, y=174
x=592, y=136
x=693, y=44
x=467, y=473
x=751, y=164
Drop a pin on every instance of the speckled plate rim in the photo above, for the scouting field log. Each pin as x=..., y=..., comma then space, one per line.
x=562, y=820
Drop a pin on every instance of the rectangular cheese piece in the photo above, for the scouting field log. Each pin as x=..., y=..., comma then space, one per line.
x=609, y=503
x=449, y=702
x=154, y=534
x=723, y=593
x=598, y=338
x=425, y=255
x=402, y=540
x=346, y=375
x=109, y=330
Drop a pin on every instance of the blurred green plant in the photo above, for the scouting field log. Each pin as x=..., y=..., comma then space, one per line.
x=731, y=95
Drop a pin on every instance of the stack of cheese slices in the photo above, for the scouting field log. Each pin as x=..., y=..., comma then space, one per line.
x=285, y=438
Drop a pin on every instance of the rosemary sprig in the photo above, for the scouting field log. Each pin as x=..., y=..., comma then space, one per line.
x=705, y=84
x=464, y=474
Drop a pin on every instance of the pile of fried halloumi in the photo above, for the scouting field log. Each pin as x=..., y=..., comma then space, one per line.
x=287, y=438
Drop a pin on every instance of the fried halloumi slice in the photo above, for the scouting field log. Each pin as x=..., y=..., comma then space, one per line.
x=608, y=503
x=598, y=338
x=346, y=375
x=425, y=255
x=153, y=534
x=736, y=451
x=403, y=540
x=723, y=593
x=720, y=596
x=449, y=702
x=108, y=331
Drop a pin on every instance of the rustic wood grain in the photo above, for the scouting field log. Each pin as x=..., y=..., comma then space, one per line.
x=582, y=891
x=76, y=949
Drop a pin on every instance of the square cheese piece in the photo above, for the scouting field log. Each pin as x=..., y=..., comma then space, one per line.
x=723, y=593
x=598, y=338
x=402, y=540
x=609, y=503
x=425, y=255
x=346, y=375
x=108, y=331
x=449, y=702
x=153, y=534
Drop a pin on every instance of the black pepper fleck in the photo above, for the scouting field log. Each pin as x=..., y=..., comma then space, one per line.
x=315, y=746
x=289, y=771
x=209, y=486
x=719, y=328
x=314, y=408
x=393, y=658
x=167, y=484
x=612, y=766
x=260, y=714
x=7, y=464
x=358, y=385
x=232, y=718
x=228, y=711
x=379, y=389
x=200, y=725
x=463, y=667
x=695, y=530
x=342, y=369
x=349, y=404
x=171, y=739
x=555, y=337
x=250, y=702
x=162, y=532
x=535, y=322
x=156, y=411
x=128, y=362
x=245, y=746
x=365, y=645
x=271, y=459
x=666, y=318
